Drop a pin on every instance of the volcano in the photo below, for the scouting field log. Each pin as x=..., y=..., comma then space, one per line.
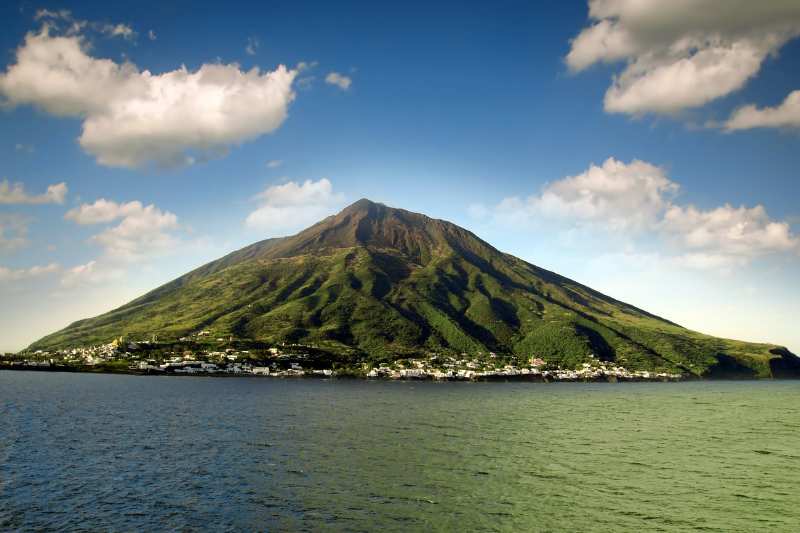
x=378, y=282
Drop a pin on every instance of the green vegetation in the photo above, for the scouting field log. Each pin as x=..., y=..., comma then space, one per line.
x=382, y=284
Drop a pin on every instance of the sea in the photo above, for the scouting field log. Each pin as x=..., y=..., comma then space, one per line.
x=93, y=452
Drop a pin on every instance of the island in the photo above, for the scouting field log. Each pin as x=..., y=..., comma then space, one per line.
x=381, y=292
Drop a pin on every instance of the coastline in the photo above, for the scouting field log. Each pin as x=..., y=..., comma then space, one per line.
x=517, y=378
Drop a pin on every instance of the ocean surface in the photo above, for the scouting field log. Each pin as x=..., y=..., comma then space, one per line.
x=122, y=453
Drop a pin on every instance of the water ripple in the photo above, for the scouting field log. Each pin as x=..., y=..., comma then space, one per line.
x=92, y=452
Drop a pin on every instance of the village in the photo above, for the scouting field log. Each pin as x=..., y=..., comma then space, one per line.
x=151, y=357
x=472, y=370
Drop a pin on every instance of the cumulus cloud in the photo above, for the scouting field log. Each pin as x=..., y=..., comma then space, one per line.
x=142, y=231
x=133, y=117
x=785, y=115
x=638, y=199
x=102, y=211
x=617, y=195
x=733, y=232
x=680, y=54
x=620, y=195
x=15, y=194
x=292, y=206
x=133, y=234
x=339, y=80
x=8, y=274
x=274, y=163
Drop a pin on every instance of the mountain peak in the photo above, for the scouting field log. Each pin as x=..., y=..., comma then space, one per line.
x=363, y=203
x=368, y=223
x=365, y=207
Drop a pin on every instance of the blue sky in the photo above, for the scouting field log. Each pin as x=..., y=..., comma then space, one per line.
x=493, y=115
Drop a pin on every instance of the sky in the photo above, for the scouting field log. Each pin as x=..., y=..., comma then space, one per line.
x=647, y=149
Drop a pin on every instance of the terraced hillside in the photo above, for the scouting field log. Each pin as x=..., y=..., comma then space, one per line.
x=388, y=283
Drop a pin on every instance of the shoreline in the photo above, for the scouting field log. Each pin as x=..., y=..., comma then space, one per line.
x=524, y=378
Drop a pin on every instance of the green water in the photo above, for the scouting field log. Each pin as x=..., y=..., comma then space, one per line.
x=703, y=456
x=247, y=454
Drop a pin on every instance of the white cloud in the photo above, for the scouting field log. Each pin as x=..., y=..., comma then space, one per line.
x=8, y=274
x=140, y=233
x=732, y=232
x=681, y=54
x=637, y=200
x=293, y=206
x=622, y=196
x=339, y=80
x=72, y=26
x=143, y=231
x=785, y=115
x=151, y=34
x=13, y=231
x=132, y=117
x=15, y=194
x=305, y=81
x=252, y=46
x=617, y=195
x=669, y=86
x=26, y=148
x=64, y=14
x=93, y=272
x=118, y=30
x=102, y=211
x=275, y=163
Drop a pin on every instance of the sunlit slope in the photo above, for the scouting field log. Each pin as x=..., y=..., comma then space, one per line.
x=390, y=282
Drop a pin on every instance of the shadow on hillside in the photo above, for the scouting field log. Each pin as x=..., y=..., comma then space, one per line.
x=786, y=366
x=728, y=367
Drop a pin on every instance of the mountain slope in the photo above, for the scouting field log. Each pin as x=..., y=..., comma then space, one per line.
x=388, y=282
